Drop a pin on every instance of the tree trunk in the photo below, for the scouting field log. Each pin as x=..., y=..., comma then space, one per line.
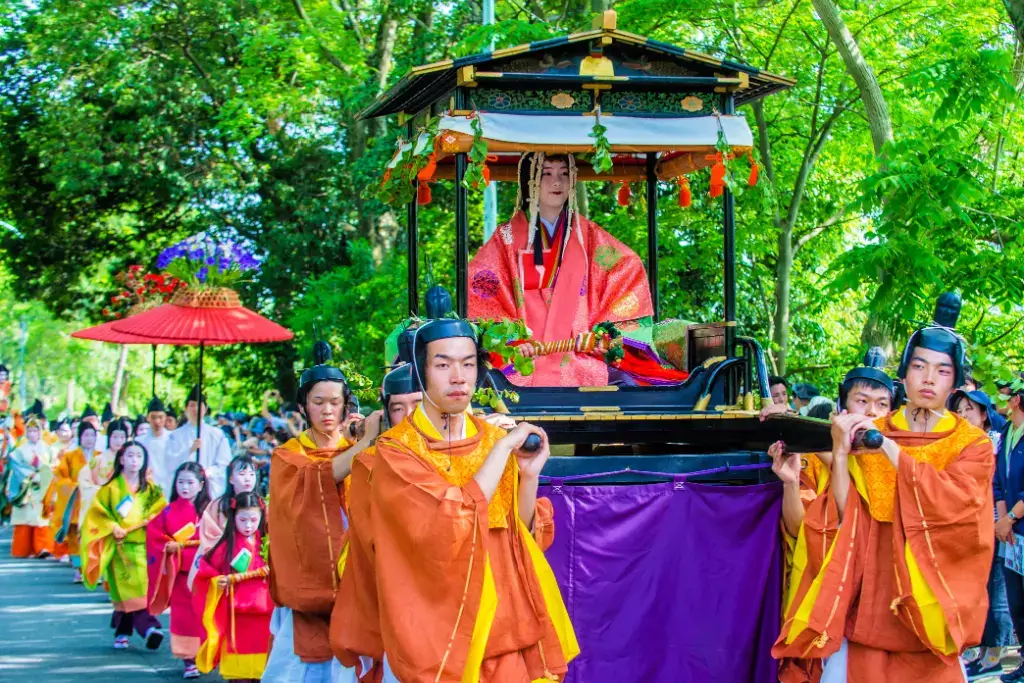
x=69, y=403
x=1015, y=8
x=783, y=274
x=875, y=108
x=115, y=391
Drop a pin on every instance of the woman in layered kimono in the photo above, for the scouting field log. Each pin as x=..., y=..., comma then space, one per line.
x=171, y=542
x=98, y=468
x=67, y=510
x=241, y=478
x=114, y=544
x=232, y=590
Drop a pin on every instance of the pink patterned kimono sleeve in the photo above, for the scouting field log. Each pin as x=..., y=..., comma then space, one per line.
x=493, y=280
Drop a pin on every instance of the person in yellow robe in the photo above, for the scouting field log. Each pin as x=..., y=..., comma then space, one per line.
x=464, y=591
x=889, y=570
x=307, y=525
x=66, y=500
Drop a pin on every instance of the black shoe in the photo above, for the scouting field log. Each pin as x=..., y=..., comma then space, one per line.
x=979, y=669
x=1015, y=676
x=154, y=637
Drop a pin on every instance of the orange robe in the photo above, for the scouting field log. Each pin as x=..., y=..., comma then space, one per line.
x=62, y=486
x=307, y=535
x=902, y=575
x=463, y=590
x=355, y=622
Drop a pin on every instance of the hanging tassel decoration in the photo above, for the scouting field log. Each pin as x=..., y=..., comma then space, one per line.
x=423, y=193
x=754, y=171
x=624, y=194
x=486, y=170
x=717, y=176
x=685, y=196
x=426, y=173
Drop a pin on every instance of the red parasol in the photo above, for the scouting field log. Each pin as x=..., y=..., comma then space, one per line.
x=202, y=317
x=107, y=333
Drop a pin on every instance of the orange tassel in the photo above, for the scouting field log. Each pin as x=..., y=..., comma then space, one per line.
x=685, y=196
x=717, y=177
x=423, y=194
x=754, y=171
x=624, y=194
x=427, y=172
x=486, y=170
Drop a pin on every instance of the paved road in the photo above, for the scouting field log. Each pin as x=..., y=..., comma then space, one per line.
x=52, y=630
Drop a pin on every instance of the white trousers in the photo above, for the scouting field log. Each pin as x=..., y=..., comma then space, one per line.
x=834, y=670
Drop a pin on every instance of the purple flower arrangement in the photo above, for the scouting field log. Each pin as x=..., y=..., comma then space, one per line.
x=203, y=261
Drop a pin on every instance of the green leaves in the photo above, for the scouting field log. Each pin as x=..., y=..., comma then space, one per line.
x=474, y=178
x=601, y=160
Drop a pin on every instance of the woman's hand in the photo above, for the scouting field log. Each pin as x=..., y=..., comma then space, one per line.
x=118, y=533
x=224, y=581
x=171, y=547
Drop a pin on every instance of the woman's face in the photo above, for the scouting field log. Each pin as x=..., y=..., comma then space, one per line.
x=243, y=479
x=132, y=460
x=972, y=412
x=117, y=439
x=187, y=486
x=88, y=440
x=247, y=521
x=554, y=185
x=142, y=429
x=325, y=406
x=64, y=433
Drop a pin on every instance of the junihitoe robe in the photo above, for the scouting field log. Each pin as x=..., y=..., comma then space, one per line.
x=237, y=619
x=66, y=499
x=121, y=563
x=598, y=279
x=902, y=575
x=307, y=537
x=168, y=574
x=464, y=592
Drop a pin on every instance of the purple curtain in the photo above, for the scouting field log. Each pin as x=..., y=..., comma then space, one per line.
x=670, y=582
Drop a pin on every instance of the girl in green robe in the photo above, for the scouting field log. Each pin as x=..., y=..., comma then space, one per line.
x=114, y=544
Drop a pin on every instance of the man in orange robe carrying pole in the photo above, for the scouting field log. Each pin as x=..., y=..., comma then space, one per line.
x=307, y=527
x=890, y=564
x=464, y=591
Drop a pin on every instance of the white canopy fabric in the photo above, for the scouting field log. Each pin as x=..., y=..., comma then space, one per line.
x=625, y=133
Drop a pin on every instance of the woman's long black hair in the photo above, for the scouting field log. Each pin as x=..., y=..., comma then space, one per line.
x=202, y=498
x=249, y=499
x=119, y=465
x=238, y=463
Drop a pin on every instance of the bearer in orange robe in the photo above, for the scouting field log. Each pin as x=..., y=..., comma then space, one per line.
x=307, y=526
x=464, y=592
x=560, y=273
x=866, y=390
x=889, y=568
x=355, y=619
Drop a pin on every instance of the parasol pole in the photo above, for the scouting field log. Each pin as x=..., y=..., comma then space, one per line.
x=199, y=402
x=154, y=370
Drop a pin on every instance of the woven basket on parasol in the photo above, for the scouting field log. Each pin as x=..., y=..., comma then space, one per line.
x=209, y=297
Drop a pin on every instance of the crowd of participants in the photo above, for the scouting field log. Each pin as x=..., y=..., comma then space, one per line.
x=376, y=529
x=163, y=519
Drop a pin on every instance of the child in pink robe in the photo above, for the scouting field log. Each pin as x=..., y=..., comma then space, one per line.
x=241, y=478
x=171, y=541
x=232, y=590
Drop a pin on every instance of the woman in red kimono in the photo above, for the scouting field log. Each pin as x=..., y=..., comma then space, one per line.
x=232, y=592
x=171, y=541
x=560, y=273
